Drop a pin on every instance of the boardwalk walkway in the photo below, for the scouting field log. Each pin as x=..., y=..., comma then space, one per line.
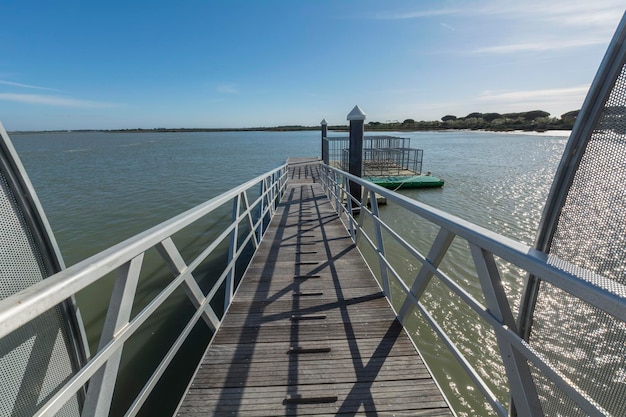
x=309, y=331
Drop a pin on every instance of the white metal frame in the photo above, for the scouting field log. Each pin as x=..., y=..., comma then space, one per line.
x=126, y=259
x=485, y=245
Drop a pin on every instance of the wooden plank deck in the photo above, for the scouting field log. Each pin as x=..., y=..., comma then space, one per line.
x=309, y=331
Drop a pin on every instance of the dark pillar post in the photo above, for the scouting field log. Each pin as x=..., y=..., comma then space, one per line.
x=355, y=165
x=324, y=141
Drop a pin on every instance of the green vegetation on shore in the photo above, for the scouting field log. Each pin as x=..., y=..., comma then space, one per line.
x=534, y=120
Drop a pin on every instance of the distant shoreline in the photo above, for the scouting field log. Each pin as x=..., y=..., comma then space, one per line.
x=292, y=129
x=175, y=130
x=530, y=121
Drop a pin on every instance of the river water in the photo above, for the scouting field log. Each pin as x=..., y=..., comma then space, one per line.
x=98, y=189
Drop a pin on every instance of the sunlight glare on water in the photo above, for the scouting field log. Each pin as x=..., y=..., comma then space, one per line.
x=497, y=181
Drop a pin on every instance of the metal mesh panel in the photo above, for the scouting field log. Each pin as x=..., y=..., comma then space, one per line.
x=585, y=344
x=35, y=359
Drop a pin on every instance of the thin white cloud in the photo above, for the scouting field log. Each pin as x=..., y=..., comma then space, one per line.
x=35, y=87
x=414, y=14
x=227, y=89
x=552, y=26
x=566, y=12
x=447, y=26
x=56, y=101
x=573, y=94
x=591, y=18
x=538, y=46
x=574, y=12
x=556, y=25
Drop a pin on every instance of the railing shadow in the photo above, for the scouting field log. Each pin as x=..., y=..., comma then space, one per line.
x=227, y=403
x=364, y=371
x=304, y=170
x=365, y=365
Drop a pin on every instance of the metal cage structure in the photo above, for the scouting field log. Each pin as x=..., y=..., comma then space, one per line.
x=383, y=156
x=337, y=157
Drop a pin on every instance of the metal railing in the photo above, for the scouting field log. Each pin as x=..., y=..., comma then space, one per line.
x=101, y=369
x=487, y=249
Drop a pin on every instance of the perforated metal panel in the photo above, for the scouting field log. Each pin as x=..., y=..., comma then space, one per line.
x=38, y=358
x=585, y=224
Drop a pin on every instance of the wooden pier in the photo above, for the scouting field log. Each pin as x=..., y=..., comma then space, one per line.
x=309, y=331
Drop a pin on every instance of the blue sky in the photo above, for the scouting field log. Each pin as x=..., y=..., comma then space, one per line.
x=126, y=64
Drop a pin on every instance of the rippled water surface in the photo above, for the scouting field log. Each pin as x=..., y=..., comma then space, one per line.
x=497, y=181
x=100, y=188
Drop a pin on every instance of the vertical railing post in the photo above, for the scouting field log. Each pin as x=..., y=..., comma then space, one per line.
x=338, y=201
x=355, y=158
x=267, y=194
x=232, y=251
x=522, y=387
x=279, y=187
x=274, y=192
x=360, y=221
x=352, y=211
x=332, y=188
x=384, y=277
x=324, y=141
x=326, y=175
x=282, y=178
x=101, y=385
x=261, y=218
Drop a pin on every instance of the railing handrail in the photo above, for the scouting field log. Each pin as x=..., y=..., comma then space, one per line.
x=126, y=258
x=22, y=307
x=515, y=353
x=597, y=290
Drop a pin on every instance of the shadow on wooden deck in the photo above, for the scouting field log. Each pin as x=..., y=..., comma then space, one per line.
x=309, y=331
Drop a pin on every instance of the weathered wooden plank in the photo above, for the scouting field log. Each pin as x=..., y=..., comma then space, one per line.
x=303, y=314
x=299, y=377
x=421, y=387
x=309, y=331
x=359, y=304
x=271, y=352
x=394, y=396
x=349, y=399
x=284, y=279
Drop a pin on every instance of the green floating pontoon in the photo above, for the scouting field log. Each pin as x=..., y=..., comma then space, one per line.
x=409, y=181
x=387, y=161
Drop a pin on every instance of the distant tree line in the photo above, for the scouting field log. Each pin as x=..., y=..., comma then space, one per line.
x=534, y=120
